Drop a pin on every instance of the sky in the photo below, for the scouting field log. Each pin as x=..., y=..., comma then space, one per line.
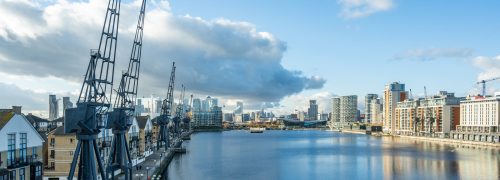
x=270, y=54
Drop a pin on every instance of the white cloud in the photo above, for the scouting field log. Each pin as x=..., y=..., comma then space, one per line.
x=490, y=67
x=300, y=102
x=220, y=57
x=351, y=9
x=434, y=53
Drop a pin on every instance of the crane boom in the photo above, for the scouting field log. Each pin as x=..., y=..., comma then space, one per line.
x=483, y=82
x=123, y=113
x=94, y=99
x=166, y=112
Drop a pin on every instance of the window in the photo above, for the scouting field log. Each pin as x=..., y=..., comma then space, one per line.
x=12, y=174
x=52, y=154
x=71, y=140
x=34, y=153
x=21, y=174
x=11, y=149
x=38, y=171
x=23, y=146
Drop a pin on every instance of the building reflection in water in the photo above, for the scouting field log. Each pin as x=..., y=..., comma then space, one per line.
x=430, y=160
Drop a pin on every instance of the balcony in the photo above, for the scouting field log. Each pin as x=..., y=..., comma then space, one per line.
x=20, y=162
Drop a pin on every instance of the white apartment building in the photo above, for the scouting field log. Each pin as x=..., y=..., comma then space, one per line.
x=479, y=119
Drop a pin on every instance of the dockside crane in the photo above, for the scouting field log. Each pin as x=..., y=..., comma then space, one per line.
x=166, y=112
x=93, y=104
x=179, y=113
x=123, y=113
x=483, y=82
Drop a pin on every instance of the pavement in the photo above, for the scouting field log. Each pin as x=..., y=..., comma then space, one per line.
x=146, y=168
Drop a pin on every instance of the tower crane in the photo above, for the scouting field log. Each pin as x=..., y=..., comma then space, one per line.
x=166, y=112
x=484, y=83
x=124, y=108
x=94, y=100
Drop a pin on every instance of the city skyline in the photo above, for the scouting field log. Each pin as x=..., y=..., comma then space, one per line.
x=340, y=47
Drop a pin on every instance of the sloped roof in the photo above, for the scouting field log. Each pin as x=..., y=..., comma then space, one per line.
x=60, y=131
x=5, y=117
x=142, y=121
x=35, y=119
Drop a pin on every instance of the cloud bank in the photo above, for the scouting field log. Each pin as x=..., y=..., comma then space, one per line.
x=219, y=57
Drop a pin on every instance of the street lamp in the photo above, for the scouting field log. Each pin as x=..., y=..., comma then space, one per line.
x=139, y=176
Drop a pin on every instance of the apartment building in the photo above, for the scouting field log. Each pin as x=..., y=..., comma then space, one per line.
x=405, y=115
x=20, y=148
x=393, y=93
x=433, y=116
x=61, y=147
x=479, y=119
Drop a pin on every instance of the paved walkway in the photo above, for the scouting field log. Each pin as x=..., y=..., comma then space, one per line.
x=147, y=167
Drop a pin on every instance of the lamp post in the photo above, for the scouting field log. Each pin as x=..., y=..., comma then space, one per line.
x=139, y=176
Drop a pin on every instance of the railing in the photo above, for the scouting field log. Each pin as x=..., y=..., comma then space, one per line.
x=20, y=162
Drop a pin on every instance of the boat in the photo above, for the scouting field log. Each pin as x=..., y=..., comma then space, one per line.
x=257, y=130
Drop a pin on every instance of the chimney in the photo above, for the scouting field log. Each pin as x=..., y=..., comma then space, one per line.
x=16, y=109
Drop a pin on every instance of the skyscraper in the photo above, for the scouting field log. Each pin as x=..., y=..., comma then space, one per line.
x=393, y=93
x=368, y=108
x=53, y=107
x=197, y=104
x=66, y=104
x=313, y=110
x=239, y=108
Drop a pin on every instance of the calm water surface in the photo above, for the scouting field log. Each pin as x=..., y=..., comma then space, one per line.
x=327, y=155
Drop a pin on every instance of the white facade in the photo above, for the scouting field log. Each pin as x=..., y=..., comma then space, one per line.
x=19, y=124
x=478, y=111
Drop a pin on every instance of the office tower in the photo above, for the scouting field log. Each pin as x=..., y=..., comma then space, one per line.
x=313, y=110
x=53, y=107
x=197, y=104
x=66, y=104
x=239, y=108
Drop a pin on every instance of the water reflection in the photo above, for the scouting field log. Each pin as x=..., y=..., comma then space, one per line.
x=327, y=155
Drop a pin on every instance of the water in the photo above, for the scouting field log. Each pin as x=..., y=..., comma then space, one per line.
x=327, y=155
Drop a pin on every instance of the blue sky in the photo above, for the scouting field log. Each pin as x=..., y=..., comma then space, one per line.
x=356, y=55
x=274, y=54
